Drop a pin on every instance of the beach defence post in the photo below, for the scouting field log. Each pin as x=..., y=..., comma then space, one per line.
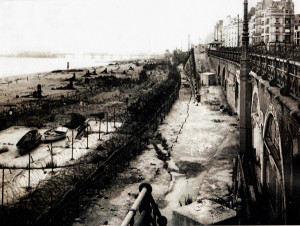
x=107, y=122
x=51, y=158
x=99, y=128
x=114, y=118
x=2, y=187
x=149, y=212
x=28, y=170
x=72, y=143
x=87, y=136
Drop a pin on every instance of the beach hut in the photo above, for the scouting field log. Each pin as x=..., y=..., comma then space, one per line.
x=208, y=79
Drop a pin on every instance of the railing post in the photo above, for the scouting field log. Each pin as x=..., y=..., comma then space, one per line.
x=286, y=89
x=265, y=74
x=274, y=64
x=259, y=73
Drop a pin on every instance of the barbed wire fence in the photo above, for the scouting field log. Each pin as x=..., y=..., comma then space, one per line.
x=43, y=203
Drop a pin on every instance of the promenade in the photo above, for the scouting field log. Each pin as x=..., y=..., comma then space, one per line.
x=194, y=184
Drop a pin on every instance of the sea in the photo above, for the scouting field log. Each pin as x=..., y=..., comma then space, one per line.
x=13, y=66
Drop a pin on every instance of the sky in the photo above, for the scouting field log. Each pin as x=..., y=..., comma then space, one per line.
x=112, y=26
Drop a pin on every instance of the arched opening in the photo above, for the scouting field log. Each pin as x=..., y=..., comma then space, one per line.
x=223, y=79
x=273, y=171
x=236, y=93
x=294, y=214
x=219, y=76
x=254, y=104
x=257, y=138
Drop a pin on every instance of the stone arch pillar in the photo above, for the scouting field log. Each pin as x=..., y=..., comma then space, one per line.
x=257, y=121
x=224, y=78
x=219, y=75
x=273, y=169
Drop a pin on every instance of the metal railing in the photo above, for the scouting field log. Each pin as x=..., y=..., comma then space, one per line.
x=277, y=63
x=149, y=213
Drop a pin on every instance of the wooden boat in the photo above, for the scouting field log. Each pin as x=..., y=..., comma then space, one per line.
x=52, y=135
x=29, y=141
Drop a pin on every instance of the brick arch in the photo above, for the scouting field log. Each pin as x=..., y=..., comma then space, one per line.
x=273, y=170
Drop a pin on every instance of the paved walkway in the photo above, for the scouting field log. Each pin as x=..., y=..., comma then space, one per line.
x=201, y=159
x=194, y=185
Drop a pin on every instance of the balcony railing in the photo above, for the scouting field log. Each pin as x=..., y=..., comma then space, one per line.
x=257, y=33
x=277, y=62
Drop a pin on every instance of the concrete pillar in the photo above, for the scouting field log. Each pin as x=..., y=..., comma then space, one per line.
x=245, y=90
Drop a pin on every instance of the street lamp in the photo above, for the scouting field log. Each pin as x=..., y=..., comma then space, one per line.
x=245, y=92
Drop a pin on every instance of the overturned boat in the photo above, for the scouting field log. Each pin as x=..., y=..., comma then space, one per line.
x=29, y=141
x=83, y=130
x=52, y=135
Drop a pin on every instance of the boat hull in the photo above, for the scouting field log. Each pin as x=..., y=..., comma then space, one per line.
x=29, y=141
x=55, y=134
x=49, y=139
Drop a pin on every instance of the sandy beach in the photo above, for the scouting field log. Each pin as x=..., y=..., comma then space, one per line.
x=70, y=91
x=24, y=85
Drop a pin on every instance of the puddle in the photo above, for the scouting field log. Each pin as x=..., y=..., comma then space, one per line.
x=190, y=169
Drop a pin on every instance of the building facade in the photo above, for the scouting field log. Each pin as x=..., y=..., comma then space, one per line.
x=273, y=22
x=218, y=31
x=232, y=32
x=297, y=29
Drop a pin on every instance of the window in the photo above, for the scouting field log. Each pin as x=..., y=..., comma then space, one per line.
x=277, y=38
x=277, y=20
x=267, y=38
x=296, y=27
x=287, y=38
x=277, y=28
x=286, y=11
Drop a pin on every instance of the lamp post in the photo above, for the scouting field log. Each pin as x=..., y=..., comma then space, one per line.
x=238, y=30
x=245, y=90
